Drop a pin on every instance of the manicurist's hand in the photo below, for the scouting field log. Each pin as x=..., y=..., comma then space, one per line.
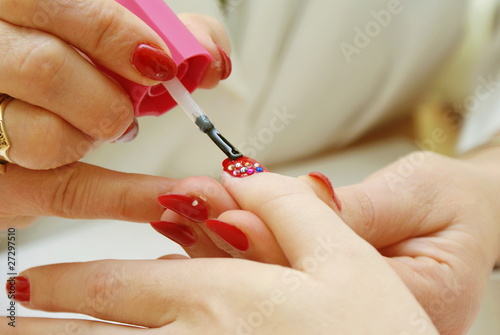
x=338, y=283
x=63, y=106
x=435, y=219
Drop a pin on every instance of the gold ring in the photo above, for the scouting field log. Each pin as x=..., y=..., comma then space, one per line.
x=4, y=141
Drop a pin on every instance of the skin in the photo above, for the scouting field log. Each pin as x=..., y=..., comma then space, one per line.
x=437, y=227
x=65, y=107
x=338, y=284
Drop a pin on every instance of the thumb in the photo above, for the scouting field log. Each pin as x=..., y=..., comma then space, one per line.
x=383, y=215
x=82, y=191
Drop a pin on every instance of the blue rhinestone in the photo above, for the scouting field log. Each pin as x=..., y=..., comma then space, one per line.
x=259, y=169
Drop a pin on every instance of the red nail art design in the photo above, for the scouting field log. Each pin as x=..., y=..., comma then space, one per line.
x=18, y=289
x=321, y=177
x=227, y=64
x=189, y=207
x=229, y=233
x=153, y=63
x=131, y=133
x=243, y=167
x=180, y=234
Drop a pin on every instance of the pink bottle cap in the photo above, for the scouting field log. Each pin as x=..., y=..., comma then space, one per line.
x=190, y=56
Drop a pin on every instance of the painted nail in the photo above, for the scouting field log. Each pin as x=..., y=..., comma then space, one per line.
x=229, y=233
x=153, y=63
x=321, y=177
x=243, y=167
x=189, y=207
x=18, y=289
x=180, y=234
x=227, y=64
x=130, y=134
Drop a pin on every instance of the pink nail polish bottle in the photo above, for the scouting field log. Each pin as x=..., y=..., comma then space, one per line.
x=190, y=56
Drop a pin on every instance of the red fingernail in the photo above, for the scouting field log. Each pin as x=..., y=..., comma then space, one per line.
x=321, y=177
x=243, y=167
x=130, y=134
x=180, y=234
x=231, y=234
x=153, y=63
x=18, y=289
x=227, y=64
x=189, y=207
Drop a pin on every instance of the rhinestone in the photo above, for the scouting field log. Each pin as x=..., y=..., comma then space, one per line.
x=243, y=170
x=248, y=164
x=250, y=171
x=256, y=165
x=230, y=167
x=236, y=173
x=238, y=165
x=259, y=169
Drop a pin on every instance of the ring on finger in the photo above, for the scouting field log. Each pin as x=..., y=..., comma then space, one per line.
x=4, y=141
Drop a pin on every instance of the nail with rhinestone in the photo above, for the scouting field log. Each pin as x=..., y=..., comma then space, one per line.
x=243, y=167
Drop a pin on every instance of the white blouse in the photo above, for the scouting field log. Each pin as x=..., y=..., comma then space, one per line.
x=308, y=76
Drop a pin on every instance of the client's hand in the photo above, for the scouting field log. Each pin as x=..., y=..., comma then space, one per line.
x=434, y=218
x=338, y=284
x=64, y=106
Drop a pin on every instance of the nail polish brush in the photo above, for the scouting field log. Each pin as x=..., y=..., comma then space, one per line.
x=184, y=99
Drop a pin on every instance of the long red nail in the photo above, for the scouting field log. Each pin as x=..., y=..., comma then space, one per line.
x=321, y=177
x=180, y=234
x=227, y=64
x=131, y=133
x=18, y=289
x=231, y=234
x=189, y=207
x=153, y=63
x=243, y=167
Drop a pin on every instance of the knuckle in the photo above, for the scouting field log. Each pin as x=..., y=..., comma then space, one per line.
x=366, y=210
x=70, y=197
x=108, y=28
x=42, y=62
x=56, y=151
x=100, y=289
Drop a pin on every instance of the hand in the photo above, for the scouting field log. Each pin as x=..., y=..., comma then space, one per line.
x=434, y=218
x=64, y=106
x=339, y=284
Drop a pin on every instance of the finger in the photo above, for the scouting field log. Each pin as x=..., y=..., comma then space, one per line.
x=82, y=191
x=42, y=70
x=109, y=290
x=213, y=37
x=383, y=214
x=42, y=140
x=104, y=30
x=37, y=326
x=179, y=215
x=246, y=236
x=303, y=225
x=323, y=189
x=189, y=235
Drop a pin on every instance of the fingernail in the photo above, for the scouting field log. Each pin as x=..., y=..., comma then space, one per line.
x=229, y=233
x=180, y=234
x=243, y=167
x=153, y=63
x=189, y=207
x=321, y=177
x=227, y=64
x=18, y=289
x=130, y=134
